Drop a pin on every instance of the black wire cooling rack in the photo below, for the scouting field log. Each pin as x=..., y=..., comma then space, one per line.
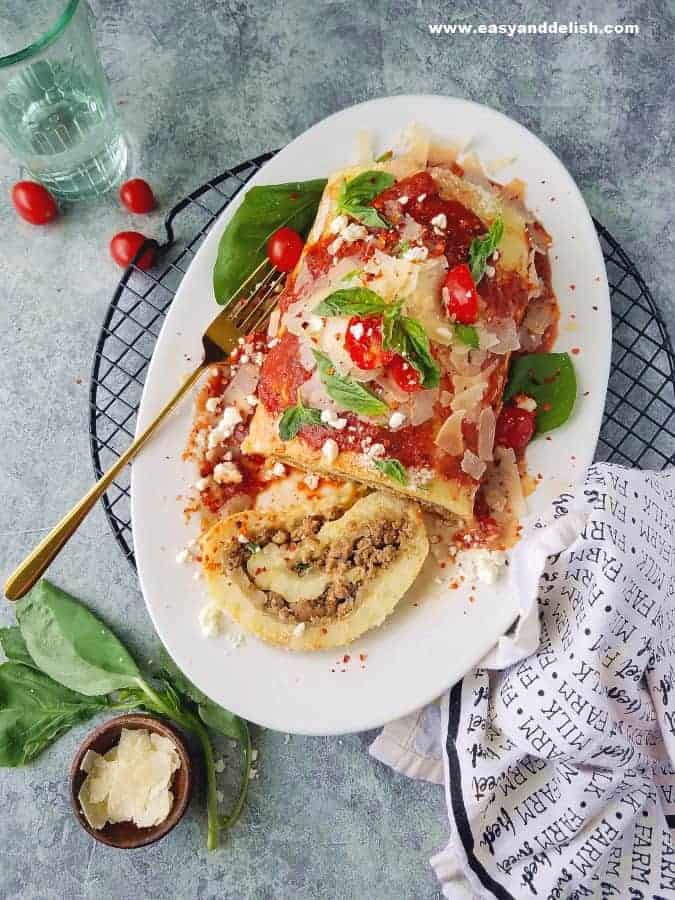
x=638, y=427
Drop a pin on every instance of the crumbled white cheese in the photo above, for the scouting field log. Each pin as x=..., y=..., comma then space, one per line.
x=403, y=200
x=278, y=469
x=527, y=403
x=396, y=419
x=182, y=557
x=244, y=358
x=416, y=254
x=299, y=629
x=330, y=451
x=421, y=197
x=440, y=221
x=314, y=324
x=356, y=330
x=311, y=480
x=212, y=404
x=227, y=473
x=251, y=400
x=329, y=417
x=444, y=333
x=338, y=223
x=242, y=539
x=201, y=484
x=211, y=620
x=420, y=477
x=375, y=451
x=346, y=233
x=481, y=565
x=225, y=427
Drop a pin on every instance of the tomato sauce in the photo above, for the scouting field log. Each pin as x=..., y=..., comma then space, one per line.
x=413, y=446
x=281, y=375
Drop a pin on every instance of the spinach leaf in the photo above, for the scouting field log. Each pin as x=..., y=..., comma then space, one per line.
x=14, y=646
x=35, y=711
x=392, y=468
x=407, y=337
x=71, y=644
x=482, y=248
x=358, y=301
x=295, y=417
x=467, y=335
x=243, y=244
x=550, y=379
x=356, y=194
x=348, y=393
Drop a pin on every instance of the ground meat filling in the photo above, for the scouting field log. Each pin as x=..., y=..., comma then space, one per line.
x=350, y=562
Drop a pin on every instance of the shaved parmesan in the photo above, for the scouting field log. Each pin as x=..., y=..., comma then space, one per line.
x=450, y=437
x=416, y=140
x=273, y=325
x=472, y=465
x=486, y=433
x=503, y=489
x=411, y=230
x=469, y=401
x=539, y=316
x=422, y=406
x=244, y=383
x=504, y=330
x=332, y=343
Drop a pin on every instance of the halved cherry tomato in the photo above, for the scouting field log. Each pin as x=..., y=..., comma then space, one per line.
x=136, y=194
x=460, y=295
x=34, y=203
x=126, y=244
x=284, y=249
x=405, y=375
x=364, y=342
x=515, y=427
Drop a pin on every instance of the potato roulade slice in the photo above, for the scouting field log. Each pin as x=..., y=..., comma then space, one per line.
x=311, y=581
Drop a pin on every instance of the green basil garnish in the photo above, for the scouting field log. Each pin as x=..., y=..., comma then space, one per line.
x=351, y=395
x=482, y=248
x=407, y=337
x=356, y=194
x=467, y=335
x=295, y=417
x=392, y=468
x=243, y=244
x=357, y=301
x=550, y=379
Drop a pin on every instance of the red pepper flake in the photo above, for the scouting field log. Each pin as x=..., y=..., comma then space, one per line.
x=324, y=631
x=546, y=407
x=346, y=658
x=552, y=199
x=472, y=599
x=548, y=437
x=442, y=565
x=573, y=316
x=573, y=458
x=573, y=287
x=454, y=585
x=576, y=350
x=363, y=657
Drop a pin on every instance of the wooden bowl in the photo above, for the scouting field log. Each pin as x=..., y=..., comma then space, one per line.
x=126, y=835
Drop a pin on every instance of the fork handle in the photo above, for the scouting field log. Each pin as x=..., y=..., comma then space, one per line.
x=25, y=576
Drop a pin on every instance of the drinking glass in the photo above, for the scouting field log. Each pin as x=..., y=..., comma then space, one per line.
x=56, y=111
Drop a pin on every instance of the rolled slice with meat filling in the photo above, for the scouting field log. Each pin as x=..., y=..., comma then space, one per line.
x=313, y=581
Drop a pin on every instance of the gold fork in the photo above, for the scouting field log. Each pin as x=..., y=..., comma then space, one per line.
x=239, y=318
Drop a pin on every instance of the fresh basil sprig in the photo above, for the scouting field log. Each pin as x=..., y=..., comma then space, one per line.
x=467, y=335
x=393, y=469
x=243, y=245
x=295, y=417
x=399, y=333
x=550, y=379
x=482, y=248
x=64, y=665
x=350, y=394
x=407, y=337
x=357, y=301
x=357, y=193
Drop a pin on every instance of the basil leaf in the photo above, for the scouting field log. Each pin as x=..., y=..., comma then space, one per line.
x=348, y=393
x=482, y=248
x=402, y=248
x=71, y=644
x=14, y=646
x=35, y=711
x=392, y=468
x=243, y=244
x=407, y=337
x=252, y=547
x=213, y=715
x=295, y=417
x=356, y=195
x=550, y=379
x=358, y=301
x=467, y=335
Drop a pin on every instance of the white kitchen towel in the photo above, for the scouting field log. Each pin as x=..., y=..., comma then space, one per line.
x=558, y=761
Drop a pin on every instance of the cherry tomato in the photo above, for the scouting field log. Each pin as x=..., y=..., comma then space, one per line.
x=125, y=245
x=515, y=427
x=405, y=375
x=364, y=342
x=34, y=203
x=284, y=249
x=460, y=295
x=137, y=196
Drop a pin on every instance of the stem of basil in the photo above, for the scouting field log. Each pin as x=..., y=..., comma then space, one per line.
x=229, y=820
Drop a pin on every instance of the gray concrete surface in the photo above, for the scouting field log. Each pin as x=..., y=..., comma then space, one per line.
x=205, y=84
